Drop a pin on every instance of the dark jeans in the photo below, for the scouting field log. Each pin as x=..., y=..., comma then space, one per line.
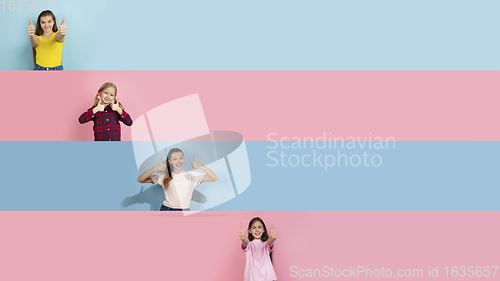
x=39, y=67
x=166, y=208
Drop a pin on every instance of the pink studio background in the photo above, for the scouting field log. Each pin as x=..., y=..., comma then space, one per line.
x=406, y=105
x=205, y=246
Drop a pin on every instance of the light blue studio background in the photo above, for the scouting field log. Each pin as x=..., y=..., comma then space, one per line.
x=263, y=35
x=415, y=176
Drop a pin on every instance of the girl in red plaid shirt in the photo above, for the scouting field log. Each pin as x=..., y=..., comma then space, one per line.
x=106, y=114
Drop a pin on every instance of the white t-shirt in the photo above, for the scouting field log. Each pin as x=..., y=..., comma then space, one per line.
x=180, y=189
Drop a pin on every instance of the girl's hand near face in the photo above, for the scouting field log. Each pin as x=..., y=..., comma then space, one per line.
x=196, y=164
x=161, y=166
x=116, y=107
x=62, y=28
x=243, y=236
x=146, y=176
x=62, y=32
x=210, y=175
x=99, y=108
x=31, y=29
x=31, y=34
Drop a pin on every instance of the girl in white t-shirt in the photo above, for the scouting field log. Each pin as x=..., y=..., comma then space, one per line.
x=257, y=247
x=177, y=184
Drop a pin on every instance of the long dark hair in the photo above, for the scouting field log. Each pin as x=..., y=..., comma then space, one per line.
x=166, y=181
x=39, y=30
x=264, y=235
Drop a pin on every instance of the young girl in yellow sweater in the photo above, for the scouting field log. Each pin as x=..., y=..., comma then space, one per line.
x=47, y=41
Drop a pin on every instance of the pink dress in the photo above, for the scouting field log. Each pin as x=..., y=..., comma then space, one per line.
x=258, y=266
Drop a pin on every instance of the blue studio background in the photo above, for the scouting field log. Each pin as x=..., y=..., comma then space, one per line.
x=415, y=176
x=262, y=35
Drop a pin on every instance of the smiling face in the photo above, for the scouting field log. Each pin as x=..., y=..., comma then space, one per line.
x=177, y=160
x=257, y=229
x=47, y=24
x=107, y=95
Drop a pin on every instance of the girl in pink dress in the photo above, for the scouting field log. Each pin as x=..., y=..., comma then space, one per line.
x=257, y=247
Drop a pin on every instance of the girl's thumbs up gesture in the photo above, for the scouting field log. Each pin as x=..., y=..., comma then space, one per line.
x=243, y=236
x=272, y=236
x=62, y=32
x=115, y=106
x=99, y=108
x=31, y=29
x=62, y=28
x=161, y=166
x=272, y=233
x=196, y=164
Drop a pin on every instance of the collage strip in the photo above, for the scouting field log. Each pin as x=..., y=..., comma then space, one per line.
x=363, y=134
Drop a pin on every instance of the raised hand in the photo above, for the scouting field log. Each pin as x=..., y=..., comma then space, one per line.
x=196, y=164
x=272, y=232
x=114, y=105
x=31, y=29
x=99, y=108
x=243, y=235
x=62, y=28
x=161, y=166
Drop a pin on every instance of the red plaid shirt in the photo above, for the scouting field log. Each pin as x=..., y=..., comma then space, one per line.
x=106, y=125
